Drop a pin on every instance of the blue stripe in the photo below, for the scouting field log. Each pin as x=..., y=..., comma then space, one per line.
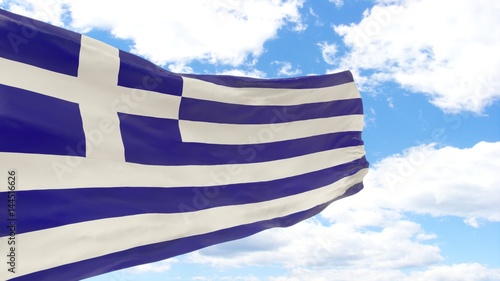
x=160, y=144
x=218, y=112
x=34, y=123
x=39, y=44
x=36, y=208
x=138, y=73
x=160, y=251
x=308, y=82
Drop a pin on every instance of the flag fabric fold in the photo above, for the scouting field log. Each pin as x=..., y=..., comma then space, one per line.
x=110, y=161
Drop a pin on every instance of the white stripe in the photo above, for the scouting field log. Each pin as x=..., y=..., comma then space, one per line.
x=147, y=103
x=76, y=242
x=215, y=133
x=31, y=78
x=194, y=88
x=98, y=76
x=59, y=172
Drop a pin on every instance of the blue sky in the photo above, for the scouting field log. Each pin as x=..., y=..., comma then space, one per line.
x=429, y=74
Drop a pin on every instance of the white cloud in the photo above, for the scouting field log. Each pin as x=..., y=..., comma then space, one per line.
x=223, y=31
x=255, y=73
x=312, y=13
x=426, y=180
x=299, y=27
x=328, y=51
x=157, y=267
x=458, y=272
x=370, y=118
x=51, y=11
x=390, y=102
x=443, y=49
x=474, y=222
x=287, y=69
x=311, y=244
x=226, y=278
x=317, y=20
x=338, y=3
x=180, y=67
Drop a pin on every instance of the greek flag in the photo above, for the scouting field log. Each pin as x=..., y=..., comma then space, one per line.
x=109, y=161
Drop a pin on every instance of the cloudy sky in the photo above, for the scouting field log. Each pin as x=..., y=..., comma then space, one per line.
x=429, y=74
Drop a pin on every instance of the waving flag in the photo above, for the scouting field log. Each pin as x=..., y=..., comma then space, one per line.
x=109, y=161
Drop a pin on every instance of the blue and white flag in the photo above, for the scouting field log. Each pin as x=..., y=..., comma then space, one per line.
x=108, y=161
